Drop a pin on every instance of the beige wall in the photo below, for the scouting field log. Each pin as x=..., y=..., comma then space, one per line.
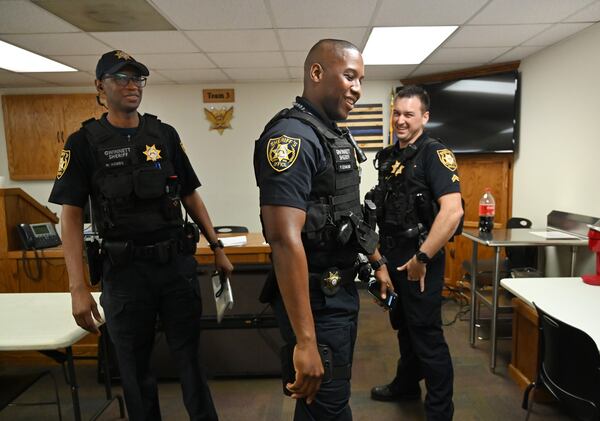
x=223, y=162
x=557, y=164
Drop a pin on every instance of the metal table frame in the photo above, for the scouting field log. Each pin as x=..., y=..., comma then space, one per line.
x=499, y=238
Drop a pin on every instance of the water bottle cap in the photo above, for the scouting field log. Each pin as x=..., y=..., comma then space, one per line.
x=487, y=189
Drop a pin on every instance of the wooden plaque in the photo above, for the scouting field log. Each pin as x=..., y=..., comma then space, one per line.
x=218, y=95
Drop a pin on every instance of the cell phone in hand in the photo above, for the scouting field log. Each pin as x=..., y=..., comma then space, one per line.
x=391, y=297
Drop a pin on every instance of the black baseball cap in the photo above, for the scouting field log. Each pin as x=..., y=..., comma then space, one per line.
x=113, y=61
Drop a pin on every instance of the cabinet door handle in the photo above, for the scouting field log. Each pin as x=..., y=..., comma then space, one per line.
x=58, y=136
x=62, y=136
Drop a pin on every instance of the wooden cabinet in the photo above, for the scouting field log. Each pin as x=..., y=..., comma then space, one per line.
x=36, y=128
x=476, y=173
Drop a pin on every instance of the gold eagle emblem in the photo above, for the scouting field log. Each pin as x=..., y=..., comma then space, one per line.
x=63, y=163
x=282, y=152
x=447, y=158
x=219, y=118
x=152, y=154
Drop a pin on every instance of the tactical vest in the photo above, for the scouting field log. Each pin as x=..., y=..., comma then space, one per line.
x=334, y=230
x=403, y=202
x=135, y=188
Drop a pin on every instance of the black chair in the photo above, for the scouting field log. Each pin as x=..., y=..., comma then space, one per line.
x=519, y=260
x=569, y=367
x=230, y=229
x=13, y=386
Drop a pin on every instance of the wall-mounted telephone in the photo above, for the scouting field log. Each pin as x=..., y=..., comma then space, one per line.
x=38, y=236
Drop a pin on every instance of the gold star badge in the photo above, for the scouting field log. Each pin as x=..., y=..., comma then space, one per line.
x=332, y=279
x=122, y=55
x=152, y=154
x=397, y=168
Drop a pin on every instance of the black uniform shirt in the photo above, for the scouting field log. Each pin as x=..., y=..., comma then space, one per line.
x=73, y=181
x=286, y=158
x=436, y=167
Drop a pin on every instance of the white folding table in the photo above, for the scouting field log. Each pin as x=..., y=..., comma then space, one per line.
x=43, y=322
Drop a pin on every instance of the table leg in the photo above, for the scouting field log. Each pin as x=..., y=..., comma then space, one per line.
x=493, y=338
x=73, y=384
x=573, y=258
x=472, y=318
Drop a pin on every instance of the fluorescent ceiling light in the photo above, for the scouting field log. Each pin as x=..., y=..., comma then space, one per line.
x=19, y=60
x=404, y=45
x=483, y=86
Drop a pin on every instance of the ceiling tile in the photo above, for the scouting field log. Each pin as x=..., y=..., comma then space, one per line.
x=222, y=14
x=195, y=75
x=296, y=72
x=432, y=69
x=517, y=53
x=590, y=13
x=465, y=55
x=295, y=58
x=556, y=33
x=304, y=39
x=426, y=12
x=156, y=78
x=175, y=61
x=322, y=14
x=232, y=41
x=256, y=59
x=11, y=79
x=23, y=17
x=493, y=35
x=527, y=11
x=147, y=41
x=58, y=44
x=85, y=63
x=108, y=15
x=265, y=73
x=388, y=72
x=65, y=78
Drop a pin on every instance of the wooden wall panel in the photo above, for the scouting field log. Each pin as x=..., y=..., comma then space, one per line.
x=476, y=173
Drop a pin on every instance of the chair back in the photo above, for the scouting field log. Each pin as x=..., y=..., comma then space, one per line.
x=230, y=229
x=520, y=257
x=569, y=366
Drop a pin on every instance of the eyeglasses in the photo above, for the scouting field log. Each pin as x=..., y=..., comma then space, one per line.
x=123, y=80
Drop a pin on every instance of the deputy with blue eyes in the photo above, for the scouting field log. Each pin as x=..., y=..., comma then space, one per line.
x=136, y=172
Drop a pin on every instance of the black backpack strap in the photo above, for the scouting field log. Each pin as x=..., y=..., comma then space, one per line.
x=318, y=126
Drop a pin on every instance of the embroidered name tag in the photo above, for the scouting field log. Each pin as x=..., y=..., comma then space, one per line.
x=117, y=157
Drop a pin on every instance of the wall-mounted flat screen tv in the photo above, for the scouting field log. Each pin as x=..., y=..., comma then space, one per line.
x=476, y=115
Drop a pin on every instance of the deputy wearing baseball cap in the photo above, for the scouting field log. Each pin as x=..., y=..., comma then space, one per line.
x=136, y=172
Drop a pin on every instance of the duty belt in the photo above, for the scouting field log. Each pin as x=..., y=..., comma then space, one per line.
x=123, y=252
x=399, y=238
x=331, y=280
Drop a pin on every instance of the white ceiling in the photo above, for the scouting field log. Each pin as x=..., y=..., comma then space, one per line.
x=267, y=40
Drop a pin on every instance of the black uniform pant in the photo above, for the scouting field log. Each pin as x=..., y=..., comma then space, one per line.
x=133, y=296
x=336, y=322
x=424, y=352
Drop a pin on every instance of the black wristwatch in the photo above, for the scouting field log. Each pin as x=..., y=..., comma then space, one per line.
x=216, y=244
x=376, y=265
x=422, y=257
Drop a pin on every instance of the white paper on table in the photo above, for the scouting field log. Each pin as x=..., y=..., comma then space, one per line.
x=554, y=235
x=224, y=300
x=238, y=240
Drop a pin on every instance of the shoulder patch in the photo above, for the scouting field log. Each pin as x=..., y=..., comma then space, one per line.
x=282, y=152
x=63, y=163
x=447, y=159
